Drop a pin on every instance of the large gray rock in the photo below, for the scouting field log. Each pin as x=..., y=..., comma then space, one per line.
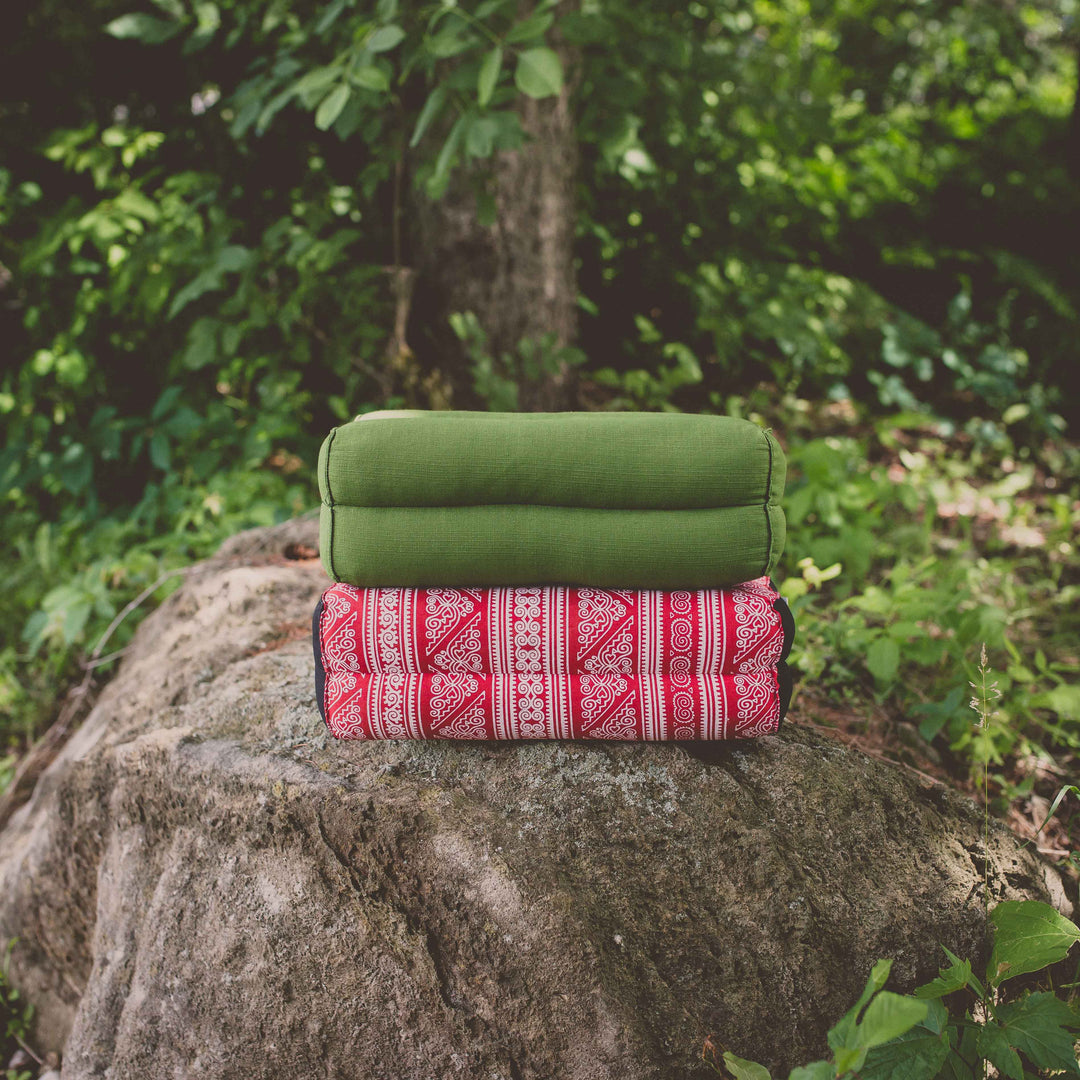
x=205, y=885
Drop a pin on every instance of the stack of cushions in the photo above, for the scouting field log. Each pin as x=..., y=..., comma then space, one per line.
x=551, y=575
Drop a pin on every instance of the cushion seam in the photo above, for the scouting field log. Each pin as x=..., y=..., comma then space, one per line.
x=549, y=506
x=768, y=496
x=330, y=497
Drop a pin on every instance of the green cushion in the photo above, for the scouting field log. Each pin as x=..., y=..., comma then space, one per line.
x=616, y=500
x=613, y=461
x=540, y=545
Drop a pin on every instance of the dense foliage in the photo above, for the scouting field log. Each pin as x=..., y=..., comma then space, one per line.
x=846, y=219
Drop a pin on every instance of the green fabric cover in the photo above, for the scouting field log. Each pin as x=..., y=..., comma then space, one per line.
x=611, y=461
x=541, y=545
x=616, y=500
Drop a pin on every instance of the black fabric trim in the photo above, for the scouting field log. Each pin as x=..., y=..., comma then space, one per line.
x=320, y=671
x=785, y=685
x=787, y=621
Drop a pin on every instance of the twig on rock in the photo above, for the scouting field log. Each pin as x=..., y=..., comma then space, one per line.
x=26, y=1049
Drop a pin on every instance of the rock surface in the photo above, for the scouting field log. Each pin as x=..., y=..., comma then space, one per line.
x=206, y=885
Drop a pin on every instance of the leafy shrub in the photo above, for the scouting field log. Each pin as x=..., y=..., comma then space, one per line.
x=917, y=584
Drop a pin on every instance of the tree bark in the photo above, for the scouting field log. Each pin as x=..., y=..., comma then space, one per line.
x=516, y=275
x=1072, y=135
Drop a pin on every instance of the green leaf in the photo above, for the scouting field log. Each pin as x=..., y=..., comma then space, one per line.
x=538, y=73
x=317, y=79
x=480, y=136
x=146, y=28
x=231, y=337
x=949, y=980
x=208, y=17
x=510, y=135
x=385, y=38
x=993, y=1044
x=745, y=1070
x=246, y=115
x=1068, y=789
x=331, y=106
x=436, y=184
x=182, y=423
x=1041, y=1027
x=76, y=468
x=159, y=452
x=916, y=1055
x=888, y=1016
x=938, y=713
x=74, y=619
x=330, y=16
x=449, y=43
x=489, y=76
x=850, y=1059
x=432, y=107
x=1028, y=936
x=962, y=1055
x=232, y=258
x=937, y=1017
x=816, y=1070
x=132, y=201
x=842, y=1033
x=1063, y=699
x=532, y=27
x=370, y=78
x=272, y=108
x=175, y=8
x=201, y=347
x=883, y=659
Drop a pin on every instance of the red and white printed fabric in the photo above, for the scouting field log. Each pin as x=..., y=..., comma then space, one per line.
x=551, y=662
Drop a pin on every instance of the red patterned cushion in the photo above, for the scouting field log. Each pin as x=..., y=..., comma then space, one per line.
x=552, y=662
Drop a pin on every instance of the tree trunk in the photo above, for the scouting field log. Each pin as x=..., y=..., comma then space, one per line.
x=517, y=274
x=1072, y=135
